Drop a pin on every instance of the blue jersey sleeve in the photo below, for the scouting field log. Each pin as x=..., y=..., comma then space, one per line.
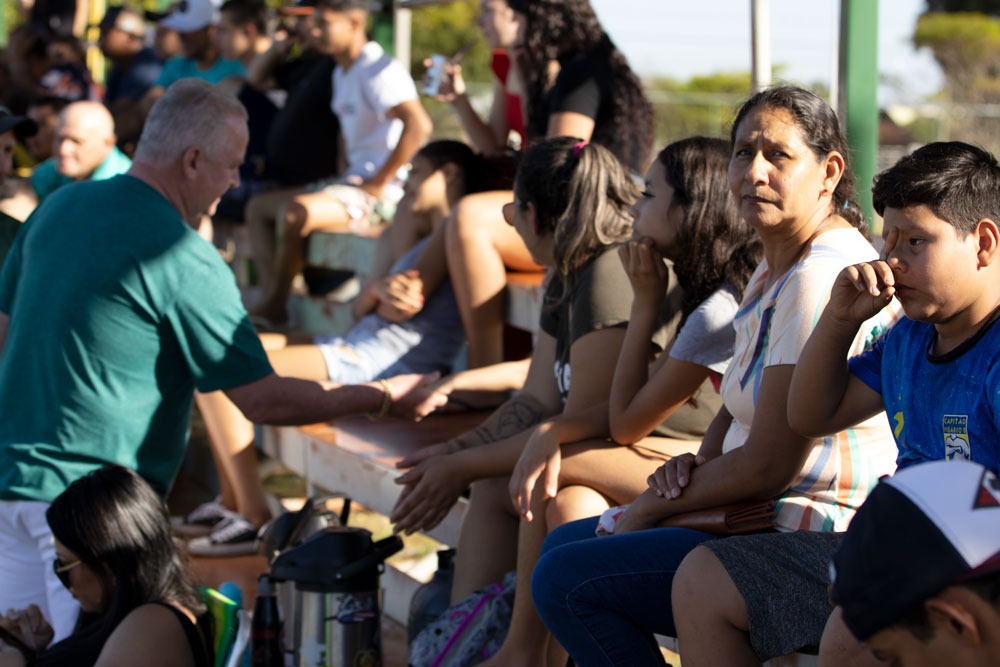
x=867, y=366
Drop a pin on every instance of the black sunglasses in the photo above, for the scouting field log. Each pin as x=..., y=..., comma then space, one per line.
x=62, y=570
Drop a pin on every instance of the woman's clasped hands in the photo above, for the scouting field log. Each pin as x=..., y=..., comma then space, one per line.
x=667, y=482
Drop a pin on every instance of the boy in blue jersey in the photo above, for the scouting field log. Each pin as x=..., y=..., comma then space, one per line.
x=936, y=374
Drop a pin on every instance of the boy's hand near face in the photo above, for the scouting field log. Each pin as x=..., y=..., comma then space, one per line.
x=862, y=290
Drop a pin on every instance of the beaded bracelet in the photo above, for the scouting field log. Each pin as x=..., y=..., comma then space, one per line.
x=386, y=402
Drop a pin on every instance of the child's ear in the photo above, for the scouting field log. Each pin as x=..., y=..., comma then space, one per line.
x=988, y=237
x=954, y=619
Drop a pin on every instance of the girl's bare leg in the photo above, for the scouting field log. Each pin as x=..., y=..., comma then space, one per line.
x=231, y=435
x=710, y=614
x=261, y=214
x=481, y=246
x=487, y=544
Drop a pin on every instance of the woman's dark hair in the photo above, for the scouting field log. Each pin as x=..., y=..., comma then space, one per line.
x=715, y=245
x=958, y=182
x=820, y=129
x=582, y=195
x=560, y=29
x=472, y=164
x=119, y=528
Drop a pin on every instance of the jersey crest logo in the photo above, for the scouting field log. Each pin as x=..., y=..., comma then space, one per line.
x=956, y=437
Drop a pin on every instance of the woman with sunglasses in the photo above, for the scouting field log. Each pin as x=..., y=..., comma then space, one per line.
x=115, y=554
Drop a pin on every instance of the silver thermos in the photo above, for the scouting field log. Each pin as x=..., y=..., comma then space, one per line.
x=335, y=574
x=287, y=531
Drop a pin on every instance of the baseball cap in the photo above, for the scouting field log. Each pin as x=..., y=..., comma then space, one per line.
x=22, y=125
x=192, y=15
x=927, y=527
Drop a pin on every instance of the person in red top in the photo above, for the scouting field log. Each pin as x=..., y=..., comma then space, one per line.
x=490, y=136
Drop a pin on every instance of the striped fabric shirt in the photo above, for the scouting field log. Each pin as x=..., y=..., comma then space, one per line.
x=772, y=326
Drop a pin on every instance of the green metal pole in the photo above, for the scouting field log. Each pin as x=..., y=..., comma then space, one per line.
x=7, y=7
x=859, y=92
x=382, y=28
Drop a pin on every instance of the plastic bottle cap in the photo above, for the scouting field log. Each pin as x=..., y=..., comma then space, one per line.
x=232, y=591
x=264, y=585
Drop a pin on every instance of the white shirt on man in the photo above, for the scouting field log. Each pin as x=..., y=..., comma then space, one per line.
x=362, y=98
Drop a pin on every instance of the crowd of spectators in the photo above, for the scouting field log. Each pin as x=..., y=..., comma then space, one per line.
x=723, y=336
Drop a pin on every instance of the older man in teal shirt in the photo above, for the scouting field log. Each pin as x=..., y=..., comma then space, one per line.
x=84, y=150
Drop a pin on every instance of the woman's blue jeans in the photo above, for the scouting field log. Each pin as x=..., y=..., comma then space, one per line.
x=603, y=598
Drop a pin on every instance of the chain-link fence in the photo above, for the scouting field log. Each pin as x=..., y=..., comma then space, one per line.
x=683, y=114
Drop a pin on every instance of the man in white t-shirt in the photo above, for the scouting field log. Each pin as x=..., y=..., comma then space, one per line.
x=382, y=126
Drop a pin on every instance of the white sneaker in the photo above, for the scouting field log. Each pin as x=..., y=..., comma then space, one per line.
x=233, y=536
x=202, y=521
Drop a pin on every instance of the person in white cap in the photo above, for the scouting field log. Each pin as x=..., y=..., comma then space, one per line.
x=195, y=21
x=917, y=575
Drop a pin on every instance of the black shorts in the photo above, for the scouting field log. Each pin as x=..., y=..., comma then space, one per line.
x=784, y=579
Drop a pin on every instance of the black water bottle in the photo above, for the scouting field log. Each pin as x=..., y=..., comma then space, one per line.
x=265, y=630
x=433, y=598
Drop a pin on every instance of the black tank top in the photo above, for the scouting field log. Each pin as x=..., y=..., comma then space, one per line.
x=196, y=635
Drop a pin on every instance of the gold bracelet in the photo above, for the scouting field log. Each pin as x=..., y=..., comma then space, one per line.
x=386, y=401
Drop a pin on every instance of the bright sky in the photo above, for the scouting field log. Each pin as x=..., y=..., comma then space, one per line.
x=681, y=38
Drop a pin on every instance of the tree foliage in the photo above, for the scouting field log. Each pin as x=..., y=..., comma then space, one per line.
x=967, y=46
x=446, y=29
x=704, y=104
x=979, y=6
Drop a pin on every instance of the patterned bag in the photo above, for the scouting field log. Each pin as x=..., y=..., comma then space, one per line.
x=470, y=631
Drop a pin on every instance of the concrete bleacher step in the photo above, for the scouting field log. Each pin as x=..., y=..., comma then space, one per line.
x=344, y=249
x=358, y=457
x=319, y=315
x=524, y=299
